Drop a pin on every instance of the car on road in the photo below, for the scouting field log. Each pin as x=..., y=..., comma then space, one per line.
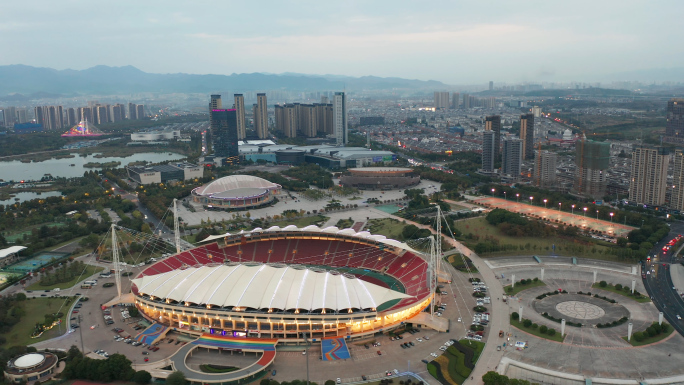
x=427, y=338
x=379, y=353
x=434, y=355
x=419, y=339
x=146, y=359
x=498, y=348
x=679, y=317
x=145, y=353
x=273, y=373
x=339, y=381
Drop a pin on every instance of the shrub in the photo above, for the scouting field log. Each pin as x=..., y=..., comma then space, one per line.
x=618, y=287
x=534, y=326
x=603, y=283
x=509, y=289
x=536, y=279
x=638, y=336
x=551, y=332
x=515, y=316
x=543, y=329
x=527, y=323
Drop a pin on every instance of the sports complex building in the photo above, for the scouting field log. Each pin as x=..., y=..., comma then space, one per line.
x=379, y=178
x=285, y=283
x=236, y=192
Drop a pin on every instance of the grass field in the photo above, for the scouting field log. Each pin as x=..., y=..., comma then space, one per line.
x=519, y=287
x=15, y=236
x=535, y=332
x=538, y=246
x=389, y=227
x=611, y=288
x=35, y=309
x=455, y=207
x=90, y=270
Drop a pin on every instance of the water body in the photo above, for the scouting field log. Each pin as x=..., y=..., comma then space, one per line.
x=16, y=170
x=27, y=196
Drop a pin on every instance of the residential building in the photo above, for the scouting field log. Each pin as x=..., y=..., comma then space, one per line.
x=133, y=111
x=512, y=157
x=592, y=159
x=674, y=128
x=488, y=151
x=224, y=134
x=677, y=198
x=240, y=109
x=493, y=123
x=340, y=118
x=545, y=170
x=455, y=100
x=441, y=100
x=648, y=182
x=527, y=135
x=261, y=117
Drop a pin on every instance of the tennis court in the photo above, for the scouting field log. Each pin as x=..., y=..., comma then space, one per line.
x=36, y=262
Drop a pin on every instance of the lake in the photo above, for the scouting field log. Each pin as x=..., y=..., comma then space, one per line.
x=16, y=170
x=28, y=195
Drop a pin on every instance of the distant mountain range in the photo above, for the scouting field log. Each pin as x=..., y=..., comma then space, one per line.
x=22, y=79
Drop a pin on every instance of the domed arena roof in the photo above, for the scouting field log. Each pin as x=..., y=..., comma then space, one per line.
x=234, y=182
x=29, y=360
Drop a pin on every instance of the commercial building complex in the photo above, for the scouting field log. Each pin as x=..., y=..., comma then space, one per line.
x=674, y=129
x=379, y=178
x=38, y=366
x=164, y=173
x=236, y=192
x=224, y=134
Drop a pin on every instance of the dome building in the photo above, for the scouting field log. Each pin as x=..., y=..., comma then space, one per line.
x=236, y=192
x=31, y=367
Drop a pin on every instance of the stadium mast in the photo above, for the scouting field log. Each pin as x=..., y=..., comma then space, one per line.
x=176, y=227
x=116, y=256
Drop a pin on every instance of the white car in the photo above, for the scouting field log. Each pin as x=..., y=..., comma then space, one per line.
x=443, y=348
x=459, y=319
x=679, y=317
x=434, y=355
x=419, y=339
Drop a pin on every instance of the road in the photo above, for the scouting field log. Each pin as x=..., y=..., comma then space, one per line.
x=659, y=284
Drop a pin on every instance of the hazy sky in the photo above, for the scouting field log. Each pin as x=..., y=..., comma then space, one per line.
x=457, y=42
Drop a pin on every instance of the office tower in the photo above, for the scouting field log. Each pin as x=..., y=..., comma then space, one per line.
x=441, y=100
x=10, y=116
x=133, y=111
x=491, y=85
x=466, y=101
x=674, y=129
x=648, y=182
x=488, y=151
x=591, y=162
x=140, y=111
x=261, y=117
x=224, y=134
x=71, y=117
x=340, y=118
x=493, y=123
x=527, y=135
x=455, y=100
x=545, y=169
x=240, y=110
x=677, y=198
x=512, y=157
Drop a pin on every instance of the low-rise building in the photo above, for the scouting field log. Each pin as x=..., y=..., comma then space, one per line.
x=164, y=173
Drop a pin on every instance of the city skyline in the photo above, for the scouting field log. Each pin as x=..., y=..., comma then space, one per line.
x=565, y=43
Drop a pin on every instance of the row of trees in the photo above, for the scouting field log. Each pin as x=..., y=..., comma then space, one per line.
x=115, y=368
x=64, y=273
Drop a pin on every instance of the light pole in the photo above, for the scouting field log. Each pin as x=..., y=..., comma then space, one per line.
x=306, y=339
x=596, y=214
x=545, y=200
x=573, y=209
x=585, y=211
x=611, y=217
x=492, y=192
x=531, y=198
x=505, y=196
x=517, y=198
x=559, y=206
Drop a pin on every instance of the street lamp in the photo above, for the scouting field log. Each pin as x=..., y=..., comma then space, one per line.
x=573, y=209
x=505, y=196
x=531, y=200
x=545, y=200
x=517, y=197
x=611, y=217
x=492, y=191
x=559, y=206
x=585, y=211
x=596, y=214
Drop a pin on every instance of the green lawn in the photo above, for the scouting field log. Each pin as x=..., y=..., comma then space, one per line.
x=90, y=270
x=477, y=347
x=611, y=288
x=650, y=340
x=35, y=309
x=539, y=246
x=520, y=287
x=389, y=227
x=455, y=207
x=535, y=332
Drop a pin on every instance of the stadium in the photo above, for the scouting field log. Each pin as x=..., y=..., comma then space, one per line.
x=284, y=283
x=379, y=178
x=236, y=192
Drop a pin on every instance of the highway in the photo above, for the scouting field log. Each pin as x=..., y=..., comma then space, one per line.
x=659, y=284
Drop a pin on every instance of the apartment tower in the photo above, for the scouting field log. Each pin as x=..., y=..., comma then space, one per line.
x=240, y=110
x=648, y=182
x=340, y=118
x=527, y=135
x=493, y=123
x=261, y=117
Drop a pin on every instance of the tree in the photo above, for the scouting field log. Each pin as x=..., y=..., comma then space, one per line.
x=176, y=378
x=494, y=378
x=527, y=323
x=603, y=283
x=515, y=316
x=543, y=329
x=551, y=332
x=142, y=377
x=329, y=382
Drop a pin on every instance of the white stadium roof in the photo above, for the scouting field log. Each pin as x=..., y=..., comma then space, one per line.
x=4, y=253
x=316, y=229
x=233, y=182
x=265, y=287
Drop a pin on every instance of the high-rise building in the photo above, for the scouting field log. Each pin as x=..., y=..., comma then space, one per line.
x=648, y=182
x=10, y=116
x=325, y=100
x=545, y=169
x=118, y=112
x=38, y=113
x=466, y=101
x=224, y=134
x=22, y=115
x=340, y=118
x=140, y=111
x=488, y=151
x=512, y=157
x=493, y=123
x=309, y=120
x=441, y=100
x=100, y=114
x=491, y=85
x=132, y=111
x=240, y=109
x=536, y=111
x=215, y=103
x=85, y=113
x=591, y=162
x=455, y=100
x=71, y=117
x=527, y=135
x=674, y=129
x=677, y=198
x=261, y=117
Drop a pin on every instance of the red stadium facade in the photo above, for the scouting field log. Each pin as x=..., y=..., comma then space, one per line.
x=373, y=259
